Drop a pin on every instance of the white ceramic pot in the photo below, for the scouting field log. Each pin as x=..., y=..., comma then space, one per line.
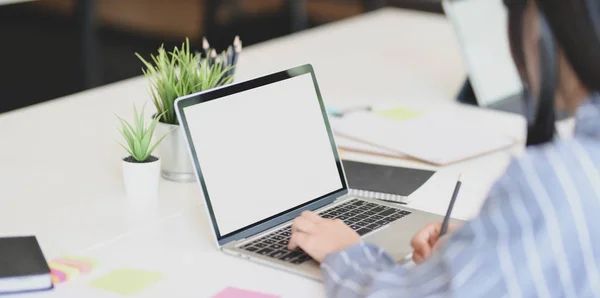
x=141, y=179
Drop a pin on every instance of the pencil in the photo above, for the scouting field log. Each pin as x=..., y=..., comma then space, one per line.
x=237, y=41
x=444, y=228
x=205, y=47
x=229, y=55
x=234, y=59
x=237, y=49
x=213, y=57
x=229, y=61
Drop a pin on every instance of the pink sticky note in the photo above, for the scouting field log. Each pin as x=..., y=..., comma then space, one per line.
x=61, y=276
x=231, y=292
x=84, y=267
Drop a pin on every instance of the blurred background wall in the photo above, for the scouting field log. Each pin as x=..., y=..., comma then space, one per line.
x=52, y=48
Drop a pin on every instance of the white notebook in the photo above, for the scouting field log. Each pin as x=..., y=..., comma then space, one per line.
x=439, y=138
x=358, y=146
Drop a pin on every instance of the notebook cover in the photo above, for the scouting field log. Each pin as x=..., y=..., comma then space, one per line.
x=385, y=179
x=21, y=256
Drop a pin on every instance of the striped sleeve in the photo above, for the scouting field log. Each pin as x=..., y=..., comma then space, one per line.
x=536, y=236
x=365, y=270
x=351, y=273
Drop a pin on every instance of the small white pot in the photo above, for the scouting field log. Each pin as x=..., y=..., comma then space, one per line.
x=141, y=179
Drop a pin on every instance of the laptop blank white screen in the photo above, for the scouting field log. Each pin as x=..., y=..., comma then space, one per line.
x=263, y=151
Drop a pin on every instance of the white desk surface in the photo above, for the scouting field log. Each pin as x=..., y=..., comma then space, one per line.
x=6, y=2
x=60, y=175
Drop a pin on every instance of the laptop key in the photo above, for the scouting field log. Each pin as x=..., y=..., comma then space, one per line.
x=350, y=214
x=362, y=209
x=360, y=216
x=371, y=205
x=326, y=216
x=290, y=255
x=395, y=216
x=376, y=217
x=350, y=207
x=260, y=245
x=404, y=212
x=269, y=241
x=335, y=213
x=342, y=217
x=368, y=220
x=284, y=242
x=278, y=237
x=265, y=251
x=374, y=226
x=251, y=248
x=286, y=234
x=278, y=253
x=383, y=222
x=358, y=203
x=378, y=209
x=249, y=244
x=301, y=259
x=369, y=212
x=390, y=219
x=387, y=212
x=276, y=246
x=363, y=231
x=355, y=227
x=343, y=210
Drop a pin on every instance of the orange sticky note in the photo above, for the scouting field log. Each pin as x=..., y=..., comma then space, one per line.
x=82, y=266
x=60, y=276
x=69, y=271
x=55, y=279
x=90, y=261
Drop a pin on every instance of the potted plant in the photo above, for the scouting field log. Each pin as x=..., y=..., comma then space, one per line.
x=141, y=169
x=179, y=73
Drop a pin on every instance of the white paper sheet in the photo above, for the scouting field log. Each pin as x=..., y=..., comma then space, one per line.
x=352, y=145
x=439, y=138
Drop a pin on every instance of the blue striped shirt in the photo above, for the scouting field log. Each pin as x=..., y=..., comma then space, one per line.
x=537, y=234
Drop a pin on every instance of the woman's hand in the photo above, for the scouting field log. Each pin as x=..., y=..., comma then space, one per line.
x=319, y=236
x=426, y=241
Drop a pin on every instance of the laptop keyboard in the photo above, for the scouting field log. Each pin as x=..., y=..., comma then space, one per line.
x=361, y=216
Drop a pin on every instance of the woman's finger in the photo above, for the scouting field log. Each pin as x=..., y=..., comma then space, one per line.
x=302, y=224
x=418, y=258
x=313, y=217
x=298, y=239
x=422, y=238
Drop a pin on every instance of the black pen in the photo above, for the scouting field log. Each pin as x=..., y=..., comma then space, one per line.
x=444, y=228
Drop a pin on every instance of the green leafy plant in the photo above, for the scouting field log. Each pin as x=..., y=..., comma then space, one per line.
x=178, y=73
x=139, y=136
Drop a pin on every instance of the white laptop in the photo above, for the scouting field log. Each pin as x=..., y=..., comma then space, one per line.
x=481, y=27
x=263, y=152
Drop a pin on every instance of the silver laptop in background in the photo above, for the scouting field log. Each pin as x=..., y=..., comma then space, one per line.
x=263, y=152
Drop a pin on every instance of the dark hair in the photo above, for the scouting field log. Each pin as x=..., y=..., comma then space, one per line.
x=576, y=27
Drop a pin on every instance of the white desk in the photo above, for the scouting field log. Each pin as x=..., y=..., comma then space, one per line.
x=6, y=2
x=60, y=175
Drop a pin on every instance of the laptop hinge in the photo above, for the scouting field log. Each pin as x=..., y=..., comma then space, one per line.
x=344, y=197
